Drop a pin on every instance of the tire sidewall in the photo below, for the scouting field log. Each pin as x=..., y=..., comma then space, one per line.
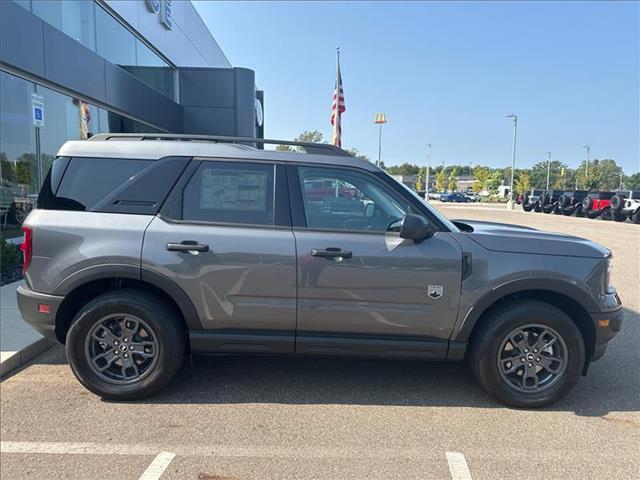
x=169, y=354
x=486, y=352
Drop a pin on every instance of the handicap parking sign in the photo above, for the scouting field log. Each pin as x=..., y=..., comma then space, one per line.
x=37, y=107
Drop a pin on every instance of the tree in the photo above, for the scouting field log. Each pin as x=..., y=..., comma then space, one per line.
x=523, y=184
x=588, y=180
x=452, y=184
x=355, y=153
x=404, y=169
x=420, y=181
x=632, y=182
x=440, y=180
x=308, y=136
x=482, y=176
x=7, y=169
x=609, y=173
x=494, y=181
x=538, y=173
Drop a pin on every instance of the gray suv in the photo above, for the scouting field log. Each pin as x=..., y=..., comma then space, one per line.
x=144, y=248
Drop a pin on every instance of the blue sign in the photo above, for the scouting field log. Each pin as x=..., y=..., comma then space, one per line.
x=37, y=109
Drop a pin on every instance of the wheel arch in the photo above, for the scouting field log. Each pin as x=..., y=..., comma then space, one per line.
x=83, y=288
x=567, y=298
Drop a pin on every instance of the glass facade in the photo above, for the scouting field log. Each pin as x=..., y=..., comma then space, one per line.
x=27, y=151
x=90, y=24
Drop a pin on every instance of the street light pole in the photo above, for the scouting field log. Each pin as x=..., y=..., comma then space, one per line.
x=426, y=187
x=548, y=168
x=586, y=167
x=513, y=158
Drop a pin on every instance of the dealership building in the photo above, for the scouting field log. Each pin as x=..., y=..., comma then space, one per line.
x=73, y=68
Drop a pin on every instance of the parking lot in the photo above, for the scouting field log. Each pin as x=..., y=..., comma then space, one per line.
x=267, y=418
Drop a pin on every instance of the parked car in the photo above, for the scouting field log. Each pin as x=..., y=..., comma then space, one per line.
x=531, y=200
x=570, y=203
x=472, y=196
x=626, y=205
x=433, y=195
x=455, y=197
x=549, y=200
x=214, y=247
x=597, y=204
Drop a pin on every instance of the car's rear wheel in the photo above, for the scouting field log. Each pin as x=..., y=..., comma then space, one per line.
x=125, y=345
x=527, y=208
x=537, y=208
x=530, y=354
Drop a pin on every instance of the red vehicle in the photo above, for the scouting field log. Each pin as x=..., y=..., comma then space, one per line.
x=598, y=204
x=320, y=189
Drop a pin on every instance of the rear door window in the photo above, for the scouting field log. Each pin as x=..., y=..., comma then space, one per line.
x=230, y=192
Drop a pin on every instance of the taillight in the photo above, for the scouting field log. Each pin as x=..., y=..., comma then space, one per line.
x=27, y=248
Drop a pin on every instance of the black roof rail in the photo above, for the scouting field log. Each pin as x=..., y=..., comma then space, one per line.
x=317, y=148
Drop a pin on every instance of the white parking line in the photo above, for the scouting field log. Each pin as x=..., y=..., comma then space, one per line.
x=158, y=466
x=457, y=463
x=458, y=466
x=76, y=448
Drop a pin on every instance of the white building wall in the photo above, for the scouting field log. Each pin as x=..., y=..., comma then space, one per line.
x=188, y=44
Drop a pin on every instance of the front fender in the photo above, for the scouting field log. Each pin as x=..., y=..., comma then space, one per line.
x=469, y=316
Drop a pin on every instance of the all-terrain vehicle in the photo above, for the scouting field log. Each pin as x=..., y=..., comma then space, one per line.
x=570, y=203
x=145, y=247
x=597, y=204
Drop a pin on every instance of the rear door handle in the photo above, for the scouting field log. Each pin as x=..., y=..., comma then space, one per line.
x=187, y=246
x=330, y=252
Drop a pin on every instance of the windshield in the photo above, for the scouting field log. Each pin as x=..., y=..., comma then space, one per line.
x=450, y=225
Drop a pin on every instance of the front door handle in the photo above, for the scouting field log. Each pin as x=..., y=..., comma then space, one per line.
x=187, y=246
x=330, y=252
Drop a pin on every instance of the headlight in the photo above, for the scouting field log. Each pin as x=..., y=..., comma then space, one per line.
x=607, y=278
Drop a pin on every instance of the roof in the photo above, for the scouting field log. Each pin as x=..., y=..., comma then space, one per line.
x=156, y=149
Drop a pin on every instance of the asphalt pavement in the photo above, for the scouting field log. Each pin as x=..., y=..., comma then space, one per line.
x=276, y=418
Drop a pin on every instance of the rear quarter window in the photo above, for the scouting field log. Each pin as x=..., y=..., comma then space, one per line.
x=86, y=181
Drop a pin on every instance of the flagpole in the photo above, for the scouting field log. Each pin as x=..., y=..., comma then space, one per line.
x=337, y=121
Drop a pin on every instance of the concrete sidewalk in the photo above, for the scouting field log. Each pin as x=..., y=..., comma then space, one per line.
x=19, y=343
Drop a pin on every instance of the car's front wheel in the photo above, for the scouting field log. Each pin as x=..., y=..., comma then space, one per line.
x=527, y=354
x=125, y=345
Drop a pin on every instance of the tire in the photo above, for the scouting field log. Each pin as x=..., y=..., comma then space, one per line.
x=490, y=345
x=619, y=217
x=586, y=204
x=635, y=217
x=607, y=214
x=617, y=202
x=158, y=330
x=537, y=208
x=579, y=212
x=527, y=208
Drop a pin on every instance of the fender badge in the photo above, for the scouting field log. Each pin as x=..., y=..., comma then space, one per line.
x=435, y=291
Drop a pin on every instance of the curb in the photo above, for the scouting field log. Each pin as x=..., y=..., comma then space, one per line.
x=25, y=355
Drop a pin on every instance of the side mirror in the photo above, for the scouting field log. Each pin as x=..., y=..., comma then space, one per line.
x=415, y=227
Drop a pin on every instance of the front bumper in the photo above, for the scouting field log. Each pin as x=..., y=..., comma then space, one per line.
x=33, y=307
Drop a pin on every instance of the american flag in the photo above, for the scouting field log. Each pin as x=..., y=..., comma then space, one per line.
x=337, y=108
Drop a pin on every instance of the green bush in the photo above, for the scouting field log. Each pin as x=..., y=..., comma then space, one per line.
x=10, y=255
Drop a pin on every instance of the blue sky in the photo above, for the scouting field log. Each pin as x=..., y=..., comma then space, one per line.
x=446, y=73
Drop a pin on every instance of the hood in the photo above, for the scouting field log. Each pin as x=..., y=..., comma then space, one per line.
x=503, y=237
